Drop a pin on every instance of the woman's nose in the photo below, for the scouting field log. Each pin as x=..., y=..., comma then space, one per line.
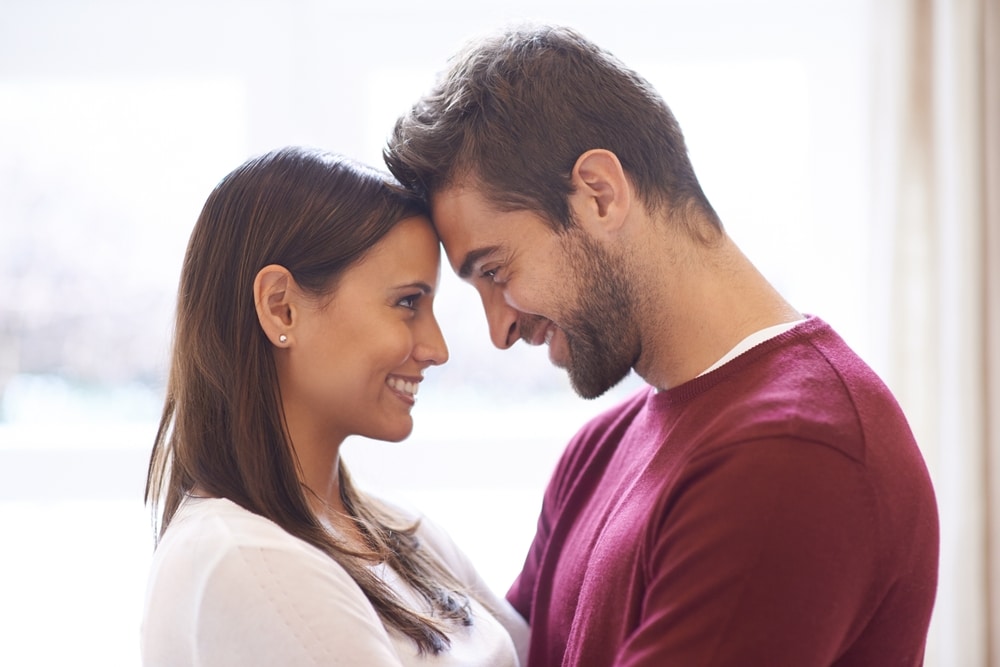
x=432, y=347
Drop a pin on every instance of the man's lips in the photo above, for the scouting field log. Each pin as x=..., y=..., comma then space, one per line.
x=542, y=331
x=537, y=331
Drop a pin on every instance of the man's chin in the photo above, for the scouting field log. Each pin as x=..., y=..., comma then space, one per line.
x=593, y=387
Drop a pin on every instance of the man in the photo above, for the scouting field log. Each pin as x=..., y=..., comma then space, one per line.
x=763, y=501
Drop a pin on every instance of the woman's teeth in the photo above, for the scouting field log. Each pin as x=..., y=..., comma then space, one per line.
x=402, y=385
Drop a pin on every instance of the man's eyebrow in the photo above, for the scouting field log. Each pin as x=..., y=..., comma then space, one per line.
x=473, y=256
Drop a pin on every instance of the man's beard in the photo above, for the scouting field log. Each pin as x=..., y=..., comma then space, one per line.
x=600, y=328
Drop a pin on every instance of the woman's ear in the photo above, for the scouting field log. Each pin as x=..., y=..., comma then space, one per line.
x=273, y=288
x=602, y=193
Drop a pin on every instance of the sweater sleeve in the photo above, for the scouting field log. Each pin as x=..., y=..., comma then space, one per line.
x=584, y=459
x=269, y=606
x=520, y=593
x=763, y=555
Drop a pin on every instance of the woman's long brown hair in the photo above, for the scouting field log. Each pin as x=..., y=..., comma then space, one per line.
x=316, y=214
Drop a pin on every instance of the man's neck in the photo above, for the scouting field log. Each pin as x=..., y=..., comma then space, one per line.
x=704, y=301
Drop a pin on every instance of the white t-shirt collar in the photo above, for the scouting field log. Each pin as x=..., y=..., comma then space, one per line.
x=750, y=341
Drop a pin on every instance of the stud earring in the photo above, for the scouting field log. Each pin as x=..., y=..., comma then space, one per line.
x=282, y=339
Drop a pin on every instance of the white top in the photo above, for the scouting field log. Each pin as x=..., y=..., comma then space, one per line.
x=229, y=587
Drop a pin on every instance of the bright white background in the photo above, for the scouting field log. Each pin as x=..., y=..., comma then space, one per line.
x=116, y=120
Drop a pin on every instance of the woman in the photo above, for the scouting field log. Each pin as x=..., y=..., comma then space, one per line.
x=304, y=316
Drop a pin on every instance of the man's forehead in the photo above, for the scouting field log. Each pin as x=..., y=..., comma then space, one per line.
x=465, y=192
x=464, y=222
x=461, y=216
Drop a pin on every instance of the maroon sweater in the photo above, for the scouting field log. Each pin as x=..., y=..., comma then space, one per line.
x=773, y=512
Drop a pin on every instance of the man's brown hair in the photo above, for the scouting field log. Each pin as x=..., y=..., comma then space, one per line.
x=514, y=112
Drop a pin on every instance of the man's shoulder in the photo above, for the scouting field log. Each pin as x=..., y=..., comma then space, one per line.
x=808, y=386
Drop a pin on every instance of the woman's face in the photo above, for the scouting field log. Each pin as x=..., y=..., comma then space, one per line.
x=358, y=355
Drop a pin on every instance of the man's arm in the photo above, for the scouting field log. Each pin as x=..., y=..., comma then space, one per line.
x=767, y=555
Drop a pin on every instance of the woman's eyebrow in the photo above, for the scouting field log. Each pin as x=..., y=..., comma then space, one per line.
x=418, y=284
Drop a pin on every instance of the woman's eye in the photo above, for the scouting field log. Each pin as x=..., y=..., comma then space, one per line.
x=409, y=301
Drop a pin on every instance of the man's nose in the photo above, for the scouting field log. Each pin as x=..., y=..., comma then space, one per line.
x=503, y=321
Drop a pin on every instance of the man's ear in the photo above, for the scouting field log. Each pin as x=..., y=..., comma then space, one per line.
x=602, y=193
x=273, y=289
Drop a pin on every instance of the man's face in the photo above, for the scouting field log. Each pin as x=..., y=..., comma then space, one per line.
x=563, y=290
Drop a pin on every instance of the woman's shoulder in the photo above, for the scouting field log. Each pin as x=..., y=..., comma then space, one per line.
x=221, y=523
x=255, y=592
x=213, y=535
x=215, y=547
